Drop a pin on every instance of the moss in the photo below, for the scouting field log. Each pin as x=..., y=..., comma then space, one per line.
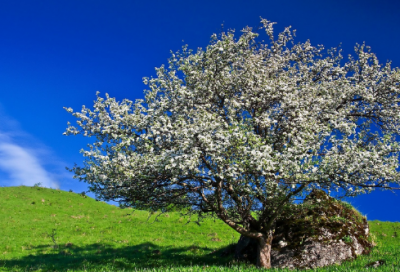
x=318, y=212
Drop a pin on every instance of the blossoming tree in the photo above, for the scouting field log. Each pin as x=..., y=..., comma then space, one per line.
x=240, y=129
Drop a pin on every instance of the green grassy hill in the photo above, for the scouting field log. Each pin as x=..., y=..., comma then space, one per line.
x=51, y=230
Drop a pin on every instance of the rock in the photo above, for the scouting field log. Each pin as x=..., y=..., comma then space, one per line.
x=322, y=231
x=375, y=264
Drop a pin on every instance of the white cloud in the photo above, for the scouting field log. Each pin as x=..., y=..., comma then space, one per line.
x=23, y=159
x=26, y=160
x=22, y=166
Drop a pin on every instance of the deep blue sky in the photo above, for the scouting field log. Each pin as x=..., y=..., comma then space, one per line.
x=56, y=54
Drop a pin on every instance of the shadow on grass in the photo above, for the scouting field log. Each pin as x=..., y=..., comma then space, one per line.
x=145, y=255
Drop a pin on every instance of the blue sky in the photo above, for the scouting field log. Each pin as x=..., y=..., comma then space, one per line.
x=56, y=54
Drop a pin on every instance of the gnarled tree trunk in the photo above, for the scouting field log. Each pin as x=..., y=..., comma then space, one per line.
x=264, y=250
x=257, y=249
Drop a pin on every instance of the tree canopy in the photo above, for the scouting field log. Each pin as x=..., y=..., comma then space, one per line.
x=245, y=127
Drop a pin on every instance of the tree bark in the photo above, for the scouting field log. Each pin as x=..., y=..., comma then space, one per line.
x=264, y=251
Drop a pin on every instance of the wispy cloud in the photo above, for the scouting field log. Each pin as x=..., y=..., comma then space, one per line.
x=22, y=157
x=23, y=167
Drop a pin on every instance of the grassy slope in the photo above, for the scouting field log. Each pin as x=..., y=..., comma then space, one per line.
x=96, y=236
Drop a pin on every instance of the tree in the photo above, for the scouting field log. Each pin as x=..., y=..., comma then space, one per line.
x=241, y=129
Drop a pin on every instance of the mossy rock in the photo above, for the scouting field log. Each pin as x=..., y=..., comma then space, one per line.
x=320, y=212
x=321, y=231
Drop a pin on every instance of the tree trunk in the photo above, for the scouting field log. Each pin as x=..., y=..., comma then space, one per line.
x=264, y=251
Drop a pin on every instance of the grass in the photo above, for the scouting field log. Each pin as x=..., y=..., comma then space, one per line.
x=51, y=230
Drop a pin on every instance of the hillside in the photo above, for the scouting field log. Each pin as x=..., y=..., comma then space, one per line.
x=45, y=229
x=98, y=232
